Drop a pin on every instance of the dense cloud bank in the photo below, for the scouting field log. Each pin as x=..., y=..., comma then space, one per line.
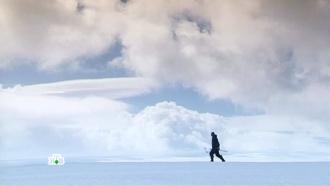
x=259, y=54
x=270, y=56
x=34, y=125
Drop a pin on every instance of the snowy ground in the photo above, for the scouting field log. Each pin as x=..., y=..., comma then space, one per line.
x=166, y=173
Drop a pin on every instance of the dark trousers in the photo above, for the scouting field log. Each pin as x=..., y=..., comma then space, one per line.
x=216, y=152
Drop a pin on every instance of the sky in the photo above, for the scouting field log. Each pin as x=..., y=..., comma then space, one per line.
x=154, y=78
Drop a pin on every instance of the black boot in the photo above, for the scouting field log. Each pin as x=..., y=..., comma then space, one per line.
x=222, y=159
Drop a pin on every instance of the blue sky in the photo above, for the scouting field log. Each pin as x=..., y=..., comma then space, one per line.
x=86, y=74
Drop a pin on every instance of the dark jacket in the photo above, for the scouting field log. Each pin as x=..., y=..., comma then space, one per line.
x=215, y=142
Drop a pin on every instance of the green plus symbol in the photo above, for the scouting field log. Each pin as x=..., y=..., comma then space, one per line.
x=56, y=161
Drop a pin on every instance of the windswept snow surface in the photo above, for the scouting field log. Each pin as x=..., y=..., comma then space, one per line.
x=167, y=173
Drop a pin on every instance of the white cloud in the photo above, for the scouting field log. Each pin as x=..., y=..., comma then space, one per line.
x=168, y=127
x=249, y=52
x=36, y=125
x=39, y=119
x=109, y=87
x=258, y=53
x=69, y=115
x=55, y=33
x=39, y=125
x=277, y=134
x=270, y=55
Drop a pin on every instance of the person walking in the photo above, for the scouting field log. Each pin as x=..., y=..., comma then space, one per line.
x=215, y=148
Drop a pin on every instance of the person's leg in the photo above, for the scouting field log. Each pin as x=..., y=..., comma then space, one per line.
x=212, y=155
x=219, y=156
